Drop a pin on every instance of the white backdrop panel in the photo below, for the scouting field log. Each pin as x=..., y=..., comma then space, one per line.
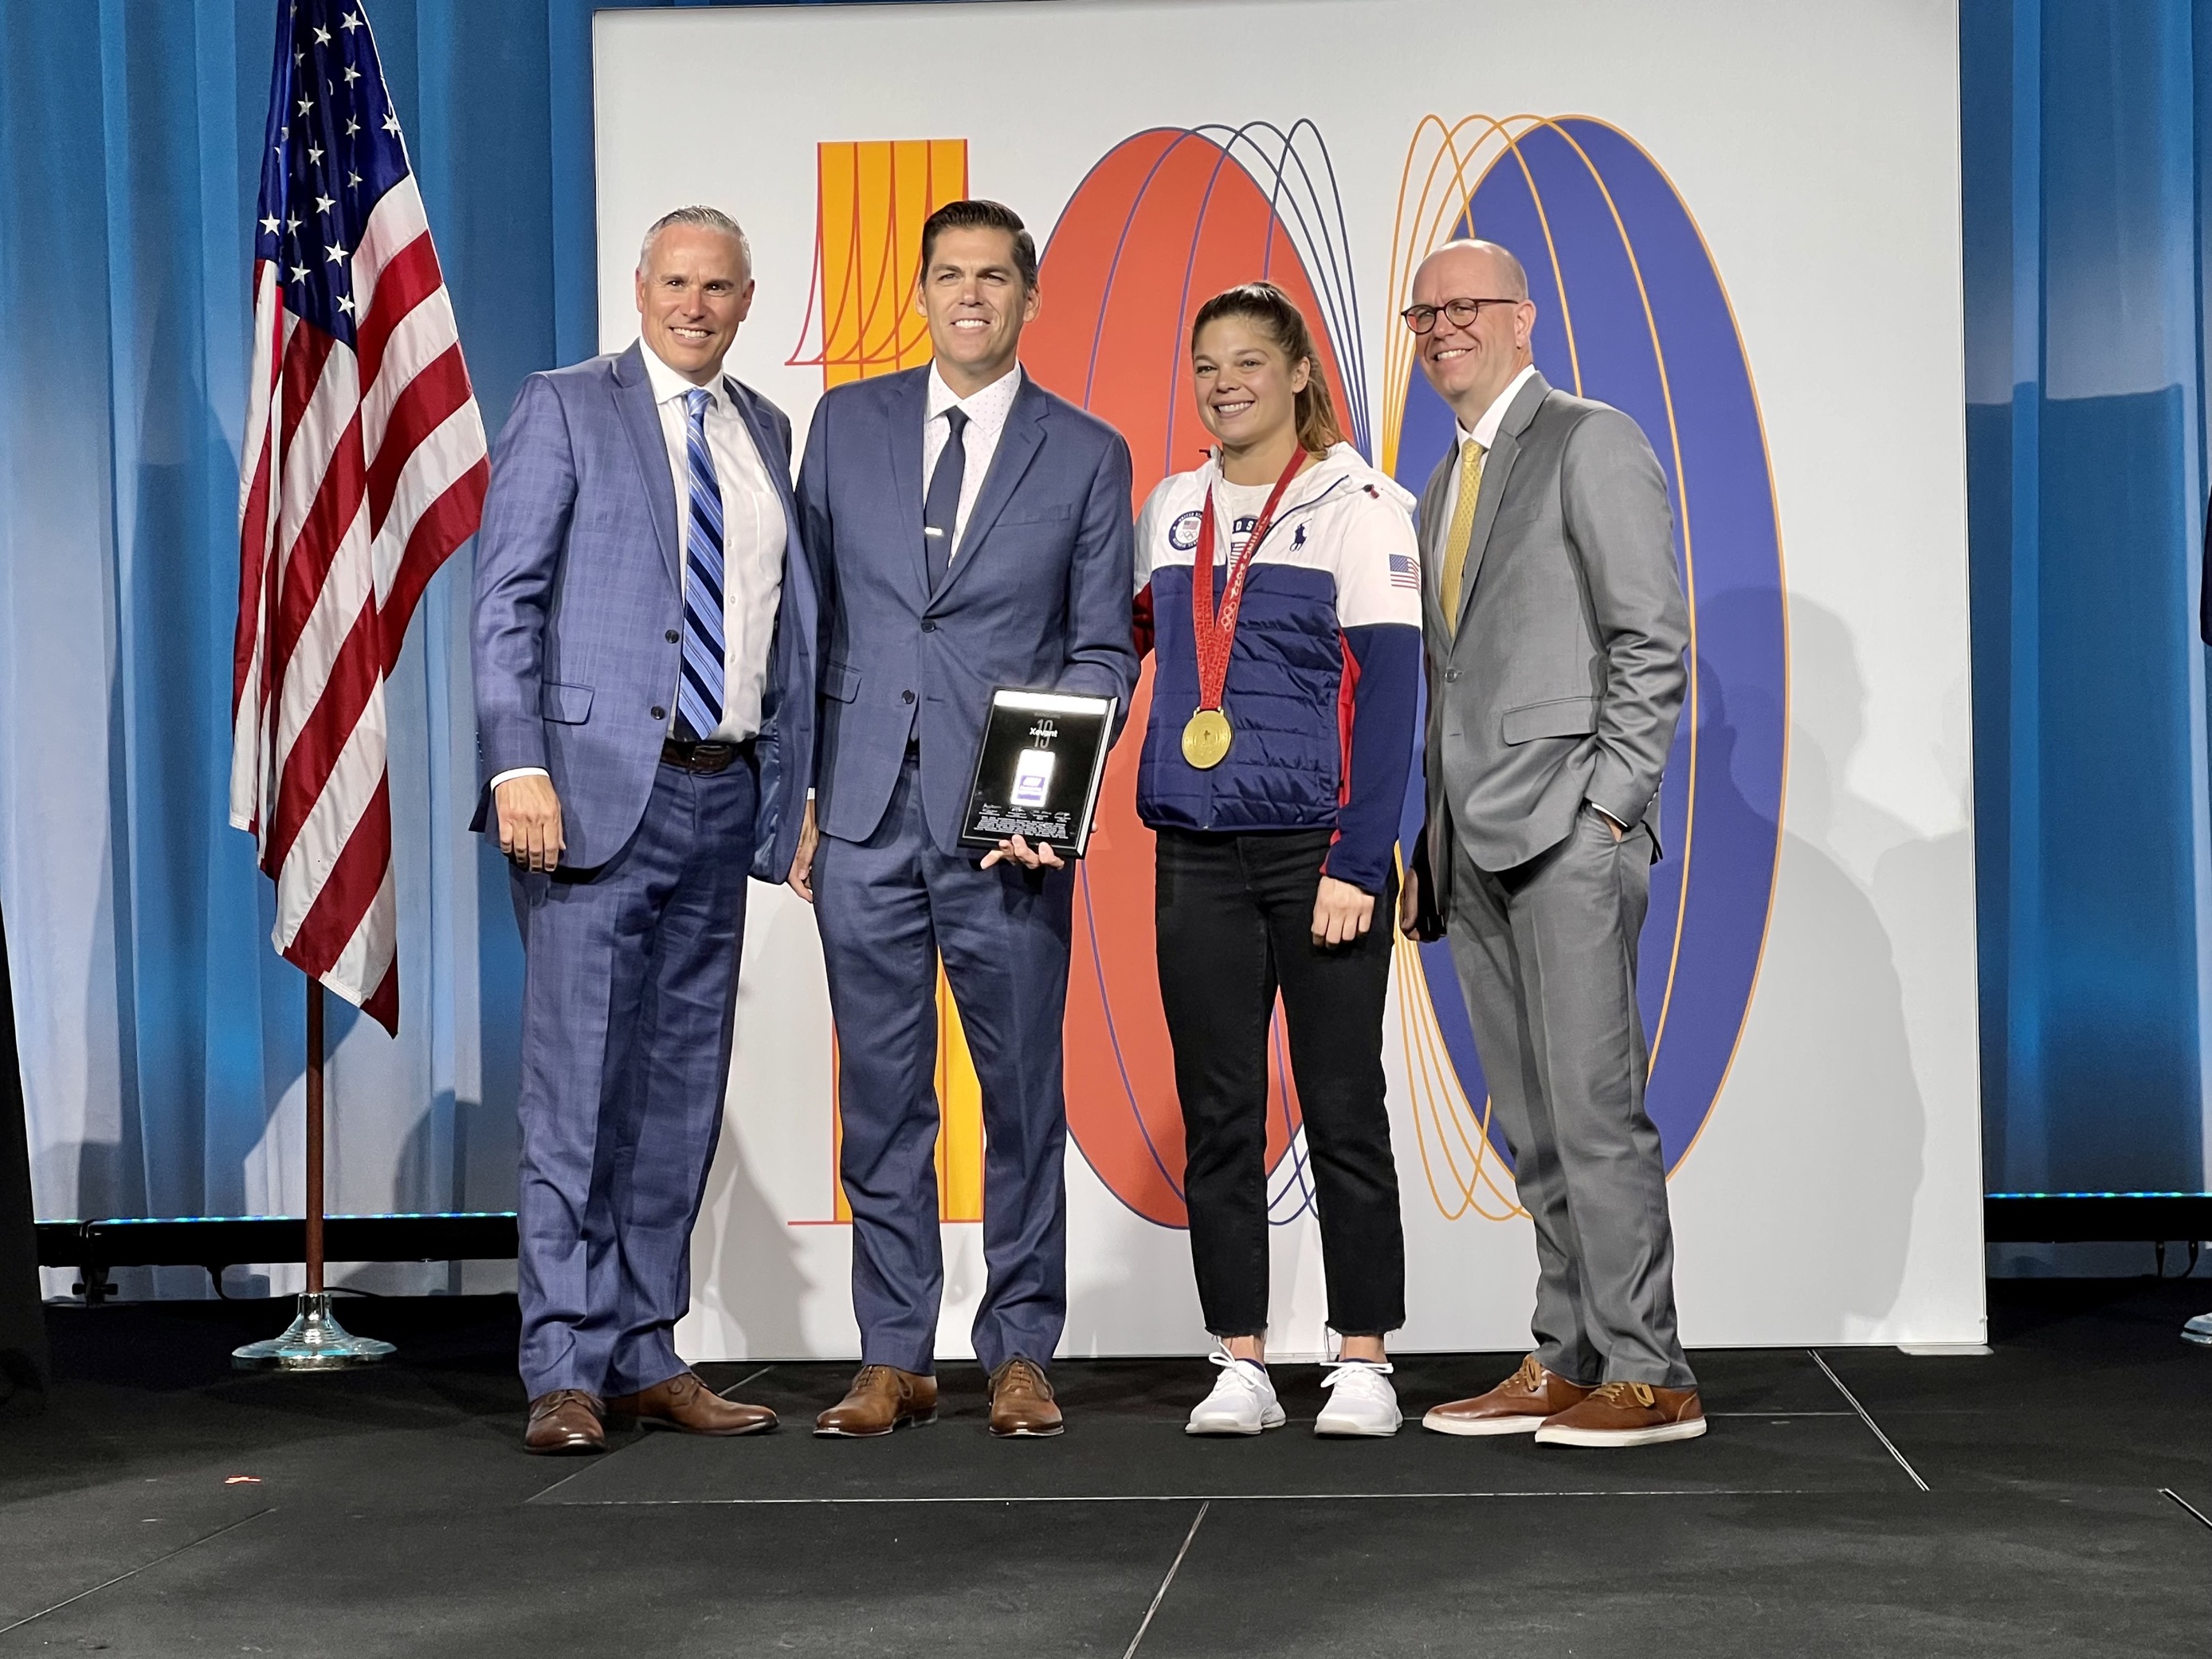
x=1832, y=1194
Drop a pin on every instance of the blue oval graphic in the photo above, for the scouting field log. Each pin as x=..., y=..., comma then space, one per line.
x=1632, y=311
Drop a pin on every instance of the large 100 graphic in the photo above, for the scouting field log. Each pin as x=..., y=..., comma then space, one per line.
x=1630, y=309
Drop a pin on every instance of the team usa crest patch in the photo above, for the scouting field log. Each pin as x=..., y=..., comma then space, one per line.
x=1182, y=534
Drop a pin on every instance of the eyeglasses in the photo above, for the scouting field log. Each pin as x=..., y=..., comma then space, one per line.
x=1462, y=312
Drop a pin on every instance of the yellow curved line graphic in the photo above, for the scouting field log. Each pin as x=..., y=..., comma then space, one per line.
x=1428, y=227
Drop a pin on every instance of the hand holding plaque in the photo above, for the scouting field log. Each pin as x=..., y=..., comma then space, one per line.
x=1038, y=770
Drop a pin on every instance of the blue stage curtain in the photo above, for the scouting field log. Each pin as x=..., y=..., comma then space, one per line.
x=2085, y=155
x=162, y=1038
x=159, y=1035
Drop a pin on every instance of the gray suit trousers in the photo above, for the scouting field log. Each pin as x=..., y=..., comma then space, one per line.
x=1546, y=956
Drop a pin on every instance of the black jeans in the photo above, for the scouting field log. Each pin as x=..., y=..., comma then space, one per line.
x=1234, y=923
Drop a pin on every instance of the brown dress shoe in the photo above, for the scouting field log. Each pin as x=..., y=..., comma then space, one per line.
x=1022, y=1405
x=565, y=1421
x=1519, y=1405
x=882, y=1398
x=684, y=1402
x=1626, y=1414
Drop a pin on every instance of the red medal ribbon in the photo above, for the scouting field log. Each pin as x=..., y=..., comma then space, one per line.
x=1215, y=631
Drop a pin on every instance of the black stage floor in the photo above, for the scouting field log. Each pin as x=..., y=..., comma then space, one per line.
x=2048, y=1498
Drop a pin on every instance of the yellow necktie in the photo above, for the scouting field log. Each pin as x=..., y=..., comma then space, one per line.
x=1463, y=529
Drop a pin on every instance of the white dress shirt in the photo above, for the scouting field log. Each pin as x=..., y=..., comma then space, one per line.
x=986, y=411
x=752, y=545
x=1486, y=433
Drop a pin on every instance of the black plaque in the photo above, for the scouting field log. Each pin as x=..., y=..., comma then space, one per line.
x=1038, y=770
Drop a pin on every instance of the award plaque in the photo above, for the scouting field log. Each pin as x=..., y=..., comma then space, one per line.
x=1038, y=770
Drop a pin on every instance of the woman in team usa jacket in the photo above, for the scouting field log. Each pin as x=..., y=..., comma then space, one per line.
x=1274, y=770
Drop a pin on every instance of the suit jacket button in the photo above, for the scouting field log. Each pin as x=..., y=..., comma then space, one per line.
x=659, y=713
x=929, y=628
x=906, y=696
x=670, y=636
x=1451, y=673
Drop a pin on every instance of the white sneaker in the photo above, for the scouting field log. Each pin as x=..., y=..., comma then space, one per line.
x=1243, y=1401
x=1361, y=1401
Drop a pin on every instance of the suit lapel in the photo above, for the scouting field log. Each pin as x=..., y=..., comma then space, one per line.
x=1017, y=447
x=641, y=420
x=1497, y=469
x=910, y=408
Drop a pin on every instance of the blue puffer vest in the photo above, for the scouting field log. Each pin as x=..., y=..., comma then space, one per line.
x=1286, y=676
x=1290, y=672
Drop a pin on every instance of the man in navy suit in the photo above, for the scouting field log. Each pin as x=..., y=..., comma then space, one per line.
x=971, y=531
x=644, y=636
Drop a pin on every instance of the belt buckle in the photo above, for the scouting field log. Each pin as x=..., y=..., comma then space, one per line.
x=705, y=758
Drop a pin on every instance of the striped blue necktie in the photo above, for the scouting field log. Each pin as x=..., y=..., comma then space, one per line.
x=699, y=695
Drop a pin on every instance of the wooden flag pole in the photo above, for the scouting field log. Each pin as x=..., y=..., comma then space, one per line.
x=314, y=1137
x=314, y=1342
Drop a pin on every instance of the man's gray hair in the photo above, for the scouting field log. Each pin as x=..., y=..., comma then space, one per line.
x=712, y=218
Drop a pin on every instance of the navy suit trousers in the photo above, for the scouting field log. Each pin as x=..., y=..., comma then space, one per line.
x=629, y=993
x=889, y=908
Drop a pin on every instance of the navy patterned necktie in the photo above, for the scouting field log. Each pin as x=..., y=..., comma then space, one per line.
x=699, y=694
x=940, y=508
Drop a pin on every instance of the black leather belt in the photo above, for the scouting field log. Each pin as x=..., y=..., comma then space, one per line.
x=704, y=757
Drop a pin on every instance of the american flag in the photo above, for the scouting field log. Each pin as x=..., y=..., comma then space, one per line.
x=1405, y=571
x=364, y=466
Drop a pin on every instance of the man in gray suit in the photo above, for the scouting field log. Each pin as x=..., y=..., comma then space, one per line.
x=1555, y=626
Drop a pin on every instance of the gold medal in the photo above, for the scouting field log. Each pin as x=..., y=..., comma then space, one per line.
x=1206, y=735
x=1206, y=739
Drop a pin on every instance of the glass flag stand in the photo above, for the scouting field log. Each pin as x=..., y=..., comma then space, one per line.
x=314, y=1341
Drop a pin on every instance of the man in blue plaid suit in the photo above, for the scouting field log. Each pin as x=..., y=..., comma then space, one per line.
x=643, y=641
